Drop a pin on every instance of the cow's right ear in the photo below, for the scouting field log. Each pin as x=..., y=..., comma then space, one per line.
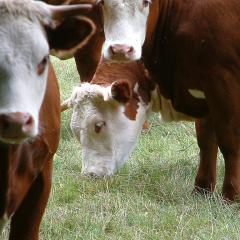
x=121, y=91
x=68, y=32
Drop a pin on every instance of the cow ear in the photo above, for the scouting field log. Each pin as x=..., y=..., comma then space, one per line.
x=67, y=36
x=121, y=91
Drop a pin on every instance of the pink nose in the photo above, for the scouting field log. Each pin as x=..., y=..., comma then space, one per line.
x=121, y=51
x=16, y=126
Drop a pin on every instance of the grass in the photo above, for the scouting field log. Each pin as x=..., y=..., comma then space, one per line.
x=149, y=198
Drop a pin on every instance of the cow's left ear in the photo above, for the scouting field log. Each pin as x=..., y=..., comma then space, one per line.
x=68, y=32
x=121, y=91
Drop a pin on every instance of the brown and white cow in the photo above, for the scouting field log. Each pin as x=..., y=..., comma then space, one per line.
x=108, y=114
x=191, y=49
x=30, y=105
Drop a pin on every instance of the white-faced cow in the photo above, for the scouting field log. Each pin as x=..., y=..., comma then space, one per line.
x=191, y=49
x=30, y=105
x=108, y=114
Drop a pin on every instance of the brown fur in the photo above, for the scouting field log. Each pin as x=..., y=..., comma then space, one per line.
x=127, y=76
x=25, y=170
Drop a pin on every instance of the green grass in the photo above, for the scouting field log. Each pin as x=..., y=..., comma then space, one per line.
x=149, y=198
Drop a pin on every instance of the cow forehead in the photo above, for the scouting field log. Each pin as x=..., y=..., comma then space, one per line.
x=128, y=4
x=34, y=11
x=17, y=44
x=122, y=8
x=21, y=29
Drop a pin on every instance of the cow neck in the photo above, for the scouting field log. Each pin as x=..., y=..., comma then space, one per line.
x=4, y=176
x=19, y=166
x=162, y=24
x=157, y=29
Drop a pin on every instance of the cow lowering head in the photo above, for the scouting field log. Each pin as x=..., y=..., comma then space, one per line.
x=108, y=116
x=29, y=30
x=124, y=27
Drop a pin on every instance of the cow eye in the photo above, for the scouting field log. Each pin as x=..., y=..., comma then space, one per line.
x=98, y=126
x=42, y=65
x=146, y=3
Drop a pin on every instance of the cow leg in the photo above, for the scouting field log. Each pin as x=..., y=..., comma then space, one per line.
x=222, y=96
x=25, y=222
x=206, y=176
x=229, y=144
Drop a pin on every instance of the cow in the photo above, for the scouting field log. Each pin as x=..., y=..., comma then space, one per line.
x=108, y=114
x=30, y=104
x=191, y=49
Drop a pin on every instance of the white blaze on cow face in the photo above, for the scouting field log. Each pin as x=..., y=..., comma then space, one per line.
x=106, y=134
x=125, y=28
x=23, y=72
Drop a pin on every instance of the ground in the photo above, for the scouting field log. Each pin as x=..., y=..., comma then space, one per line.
x=150, y=198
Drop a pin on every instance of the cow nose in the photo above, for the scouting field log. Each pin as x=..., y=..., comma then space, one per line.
x=121, y=51
x=121, y=48
x=16, y=126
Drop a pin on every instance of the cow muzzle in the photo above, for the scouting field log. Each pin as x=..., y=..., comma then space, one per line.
x=16, y=127
x=121, y=52
x=98, y=172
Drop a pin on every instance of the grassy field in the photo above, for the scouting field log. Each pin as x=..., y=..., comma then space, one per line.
x=150, y=198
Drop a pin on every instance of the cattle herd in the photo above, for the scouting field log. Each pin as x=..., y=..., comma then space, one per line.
x=179, y=58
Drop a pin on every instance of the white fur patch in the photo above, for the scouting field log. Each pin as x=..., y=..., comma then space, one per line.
x=197, y=93
x=88, y=91
x=125, y=24
x=166, y=109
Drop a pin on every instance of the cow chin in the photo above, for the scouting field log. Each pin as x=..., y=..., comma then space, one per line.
x=18, y=139
x=120, y=58
x=15, y=137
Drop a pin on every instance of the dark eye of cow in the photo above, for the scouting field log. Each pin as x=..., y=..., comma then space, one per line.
x=42, y=65
x=146, y=3
x=99, y=126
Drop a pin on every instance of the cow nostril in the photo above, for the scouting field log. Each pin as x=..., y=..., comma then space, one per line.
x=112, y=49
x=28, y=124
x=130, y=50
x=29, y=121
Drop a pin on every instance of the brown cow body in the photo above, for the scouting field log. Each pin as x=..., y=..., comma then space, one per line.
x=192, y=51
x=26, y=169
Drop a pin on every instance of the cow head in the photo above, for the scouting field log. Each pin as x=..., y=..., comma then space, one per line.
x=29, y=30
x=107, y=121
x=124, y=27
